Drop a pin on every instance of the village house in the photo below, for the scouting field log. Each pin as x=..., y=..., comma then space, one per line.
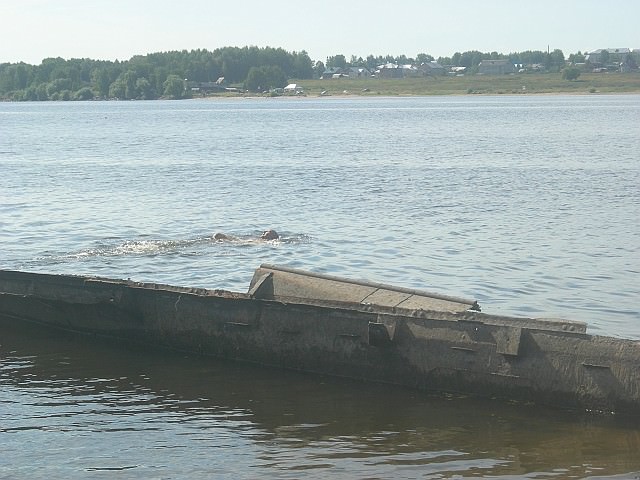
x=607, y=55
x=358, y=72
x=333, y=72
x=608, y=59
x=432, y=69
x=496, y=67
x=293, y=89
x=389, y=70
x=410, y=71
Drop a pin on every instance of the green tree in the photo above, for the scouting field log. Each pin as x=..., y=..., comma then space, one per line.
x=318, y=69
x=554, y=61
x=117, y=89
x=256, y=79
x=144, y=89
x=14, y=77
x=404, y=60
x=357, y=61
x=58, y=85
x=576, y=58
x=301, y=66
x=372, y=62
x=265, y=78
x=235, y=64
x=22, y=76
x=101, y=81
x=125, y=86
x=570, y=73
x=423, y=58
x=337, y=61
x=41, y=92
x=173, y=87
x=84, y=93
x=469, y=59
x=43, y=72
x=30, y=94
x=130, y=79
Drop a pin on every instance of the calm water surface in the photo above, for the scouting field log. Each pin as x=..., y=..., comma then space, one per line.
x=528, y=204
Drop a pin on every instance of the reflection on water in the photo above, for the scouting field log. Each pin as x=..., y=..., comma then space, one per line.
x=75, y=408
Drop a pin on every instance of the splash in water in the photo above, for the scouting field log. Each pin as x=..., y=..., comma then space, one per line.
x=197, y=246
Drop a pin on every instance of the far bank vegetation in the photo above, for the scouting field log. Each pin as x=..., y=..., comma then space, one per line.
x=254, y=70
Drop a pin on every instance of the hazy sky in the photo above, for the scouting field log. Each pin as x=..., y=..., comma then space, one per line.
x=31, y=30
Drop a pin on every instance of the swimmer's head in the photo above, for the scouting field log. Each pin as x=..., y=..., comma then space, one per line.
x=269, y=235
x=220, y=236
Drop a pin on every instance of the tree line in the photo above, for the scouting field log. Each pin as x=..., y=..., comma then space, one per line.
x=163, y=74
x=145, y=76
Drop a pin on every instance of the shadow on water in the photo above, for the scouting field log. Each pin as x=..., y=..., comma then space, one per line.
x=94, y=409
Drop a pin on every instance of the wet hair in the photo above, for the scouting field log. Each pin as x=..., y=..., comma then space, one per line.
x=269, y=235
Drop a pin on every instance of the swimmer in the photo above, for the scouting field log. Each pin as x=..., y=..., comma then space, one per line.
x=266, y=235
x=269, y=235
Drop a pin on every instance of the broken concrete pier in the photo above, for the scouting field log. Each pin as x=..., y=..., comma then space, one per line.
x=330, y=325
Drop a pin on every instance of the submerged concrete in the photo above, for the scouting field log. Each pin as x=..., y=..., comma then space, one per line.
x=317, y=323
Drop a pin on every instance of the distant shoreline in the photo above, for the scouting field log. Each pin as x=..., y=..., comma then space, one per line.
x=519, y=84
x=483, y=85
x=247, y=96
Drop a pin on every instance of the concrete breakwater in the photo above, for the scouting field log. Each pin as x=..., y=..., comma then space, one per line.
x=335, y=326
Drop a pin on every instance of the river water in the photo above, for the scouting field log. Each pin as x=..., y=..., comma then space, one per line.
x=529, y=204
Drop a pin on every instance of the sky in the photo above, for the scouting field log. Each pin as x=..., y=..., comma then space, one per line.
x=31, y=30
